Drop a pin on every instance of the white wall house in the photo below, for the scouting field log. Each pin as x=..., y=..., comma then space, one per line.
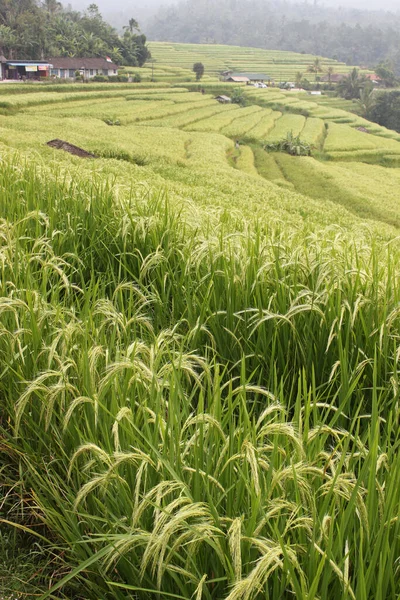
x=66, y=68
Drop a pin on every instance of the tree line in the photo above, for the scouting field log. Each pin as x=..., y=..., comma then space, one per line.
x=35, y=30
x=355, y=37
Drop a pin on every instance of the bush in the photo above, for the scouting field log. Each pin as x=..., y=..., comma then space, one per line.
x=238, y=97
x=100, y=78
x=112, y=122
x=118, y=78
x=291, y=145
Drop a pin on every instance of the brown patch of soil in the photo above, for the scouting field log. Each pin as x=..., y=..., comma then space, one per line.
x=67, y=147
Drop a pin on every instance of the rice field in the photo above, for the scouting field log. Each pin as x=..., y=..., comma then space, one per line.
x=279, y=65
x=199, y=349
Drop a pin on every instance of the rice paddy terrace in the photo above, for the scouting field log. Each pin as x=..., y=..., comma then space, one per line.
x=199, y=345
x=280, y=65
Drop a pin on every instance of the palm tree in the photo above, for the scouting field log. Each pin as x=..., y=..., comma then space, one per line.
x=298, y=79
x=132, y=26
x=8, y=40
x=330, y=71
x=350, y=87
x=52, y=7
x=367, y=99
x=316, y=66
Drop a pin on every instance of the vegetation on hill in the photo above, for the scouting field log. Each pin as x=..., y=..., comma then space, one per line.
x=275, y=64
x=199, y=346
x=31, y=30
x=355, y=37
x=385, y=109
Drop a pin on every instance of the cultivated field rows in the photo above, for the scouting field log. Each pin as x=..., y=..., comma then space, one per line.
x=334, y=131
x=200, y=343
x=279, y=65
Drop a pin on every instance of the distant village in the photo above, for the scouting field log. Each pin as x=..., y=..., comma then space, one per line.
x=262, y=80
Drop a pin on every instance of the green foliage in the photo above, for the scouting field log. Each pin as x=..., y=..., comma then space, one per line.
x=316, y=66
x=238, y=97
x=350, y=87
x=291, y=144
x=112, y=122
x=198, y=68
x=386, y=109
x=203, y=420
x=366, y=101
x=387, y=75
x=199, y=391
x=117, y=78
x=100, y=78
x=33, y=30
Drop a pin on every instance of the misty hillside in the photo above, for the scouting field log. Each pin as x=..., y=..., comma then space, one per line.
x=350, y=35
x=392, y=5
x=117, y=12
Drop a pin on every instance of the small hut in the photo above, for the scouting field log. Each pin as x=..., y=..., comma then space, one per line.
x=223, y=99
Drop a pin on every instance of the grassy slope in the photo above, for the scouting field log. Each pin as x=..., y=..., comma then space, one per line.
x=154, y=305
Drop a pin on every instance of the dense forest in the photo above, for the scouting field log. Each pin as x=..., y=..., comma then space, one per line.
x=353, y=36
x=34, y=30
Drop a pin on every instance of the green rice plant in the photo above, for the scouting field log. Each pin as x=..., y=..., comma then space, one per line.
x=342, y=137
x=245, y=161
x=268, y=167
x=199, y=391
x=241, y=126
x=192, y=116
x=281, y=66
x=291, y=144
x=217, y=123
x=263, y=127
x=145, y=371
x=287, y=122
x=180, y=109
x=337, y=183
x=314, y=132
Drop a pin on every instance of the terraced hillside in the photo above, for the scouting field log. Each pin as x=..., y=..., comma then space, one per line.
x=281, y=66
x=199, y=347
x=154, y=121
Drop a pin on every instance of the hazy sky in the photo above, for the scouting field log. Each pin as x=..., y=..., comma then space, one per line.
x=363, y=4
x=134, y=5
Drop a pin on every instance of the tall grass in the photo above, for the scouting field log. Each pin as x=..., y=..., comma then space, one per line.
x=197, y=412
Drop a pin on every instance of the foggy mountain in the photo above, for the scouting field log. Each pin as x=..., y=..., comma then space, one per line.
x=391, y=5
x=118, y=11
x=348, y=34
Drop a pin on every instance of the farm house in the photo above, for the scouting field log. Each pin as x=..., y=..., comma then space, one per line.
x=238, y=79
x=247, y=77
x=66, y=68
x=223, y=99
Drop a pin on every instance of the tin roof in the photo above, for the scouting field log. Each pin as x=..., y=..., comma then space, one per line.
x=239, y=79
x=27, y=63
x=253, y=76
